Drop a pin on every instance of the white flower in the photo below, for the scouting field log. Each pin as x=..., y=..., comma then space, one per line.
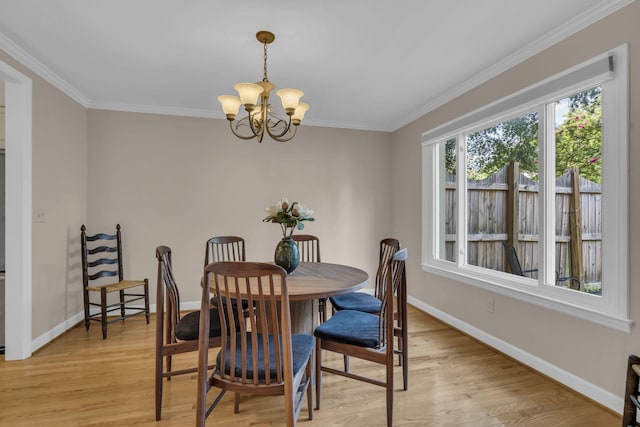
x=289, y=216
x=274, y=209
x=303, y=211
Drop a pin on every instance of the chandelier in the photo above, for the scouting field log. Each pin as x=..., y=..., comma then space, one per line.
x=260, y=118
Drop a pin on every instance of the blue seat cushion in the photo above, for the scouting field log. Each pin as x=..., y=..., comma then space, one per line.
x=188, y=327
x=359, y=301
x=301, y=347
x=351, y=327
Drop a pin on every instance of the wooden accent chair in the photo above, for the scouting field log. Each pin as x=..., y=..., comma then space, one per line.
x=102, y=260
x=631, y=393
x=309, y=247
x=175, y=334
x=364, y=335
x=368, y=303
x=259, y=356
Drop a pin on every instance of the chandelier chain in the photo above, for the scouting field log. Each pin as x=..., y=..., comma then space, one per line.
x=265, y=79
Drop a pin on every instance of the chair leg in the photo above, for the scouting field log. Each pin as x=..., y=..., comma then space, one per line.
x=322, y=310
x=122, y=311
x=390, y=393
x=236, y=402
x=86, y=310
x=159, y=386
x=318, y=372
x=346, y=363
x=146, y=300
x=309, y=373
x=103, y=309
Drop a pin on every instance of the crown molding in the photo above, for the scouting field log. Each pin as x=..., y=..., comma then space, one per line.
x=599, y=11
x=156, y=109
x=26, y=59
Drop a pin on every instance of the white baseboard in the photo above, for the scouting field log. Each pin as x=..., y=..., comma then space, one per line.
x=598, y=394
x=69, y=323
x=56, y=331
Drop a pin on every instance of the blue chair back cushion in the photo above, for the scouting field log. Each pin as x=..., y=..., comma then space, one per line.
x=301, y=347
x=357, y=301
x=351, y=327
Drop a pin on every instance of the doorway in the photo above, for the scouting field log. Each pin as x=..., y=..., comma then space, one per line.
x=18, y=154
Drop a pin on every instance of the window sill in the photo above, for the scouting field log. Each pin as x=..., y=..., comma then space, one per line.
x=529, y=291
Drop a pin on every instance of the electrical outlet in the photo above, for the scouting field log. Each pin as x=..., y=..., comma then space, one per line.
x=491, y=305
x=38, y=215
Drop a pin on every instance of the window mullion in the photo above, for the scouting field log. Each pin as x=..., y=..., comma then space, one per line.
x=461, y=176
x=547, y=231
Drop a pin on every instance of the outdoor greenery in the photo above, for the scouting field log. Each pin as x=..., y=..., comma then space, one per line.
x=578, y=142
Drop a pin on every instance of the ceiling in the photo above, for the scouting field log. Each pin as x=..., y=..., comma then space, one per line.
x=363, y=64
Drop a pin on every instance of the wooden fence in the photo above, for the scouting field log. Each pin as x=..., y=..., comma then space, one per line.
x=501, y=212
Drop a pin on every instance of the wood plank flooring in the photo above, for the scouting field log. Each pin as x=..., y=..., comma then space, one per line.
x=81, y=380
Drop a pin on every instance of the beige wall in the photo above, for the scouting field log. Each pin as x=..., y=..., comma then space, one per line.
x=178, y=181
x=589, y=351
x=60, y=191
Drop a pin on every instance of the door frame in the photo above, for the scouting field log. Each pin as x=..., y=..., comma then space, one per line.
x=18, y=206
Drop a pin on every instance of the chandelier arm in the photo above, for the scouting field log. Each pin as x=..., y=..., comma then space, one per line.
x=284, y=131
x=233, y=130
x=292, y=130
x=258, y=131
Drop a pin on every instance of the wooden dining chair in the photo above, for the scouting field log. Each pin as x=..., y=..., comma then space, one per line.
x=261, y=355
x=103, y=273
x=224, y=248
x=175, y=334
x=632, y=393
x=368, y=303
x=309, y=248
x=364, y=335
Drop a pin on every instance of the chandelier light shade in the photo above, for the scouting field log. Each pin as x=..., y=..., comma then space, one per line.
x=260, y=118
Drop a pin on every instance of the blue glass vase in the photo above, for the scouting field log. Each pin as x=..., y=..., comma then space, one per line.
x=287, y=254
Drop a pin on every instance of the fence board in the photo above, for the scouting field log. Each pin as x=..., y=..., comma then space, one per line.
x=487, y=223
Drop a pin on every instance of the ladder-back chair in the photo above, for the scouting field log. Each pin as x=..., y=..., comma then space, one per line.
x=103, y=273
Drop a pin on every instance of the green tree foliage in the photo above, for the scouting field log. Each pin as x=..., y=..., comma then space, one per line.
x=579, y=137
x=516, y=140
x=578, y=142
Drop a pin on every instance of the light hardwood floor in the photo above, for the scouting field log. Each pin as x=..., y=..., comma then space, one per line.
x=81, y=380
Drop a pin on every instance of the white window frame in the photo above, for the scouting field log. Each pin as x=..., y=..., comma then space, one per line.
x=612, y=308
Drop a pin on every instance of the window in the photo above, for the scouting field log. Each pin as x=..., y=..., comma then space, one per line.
x=528, y=195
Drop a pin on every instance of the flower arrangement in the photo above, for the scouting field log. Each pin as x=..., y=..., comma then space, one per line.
x=289, y=215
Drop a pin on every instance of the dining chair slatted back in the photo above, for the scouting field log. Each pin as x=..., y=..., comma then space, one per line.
x=175, y=334
x=309, y=248
x=388, y=247
x=224, y=248
x=103, y=273
x=364, y=335
x=260, y=355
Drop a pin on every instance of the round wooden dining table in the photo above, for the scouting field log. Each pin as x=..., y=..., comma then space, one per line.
x=314, y=280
